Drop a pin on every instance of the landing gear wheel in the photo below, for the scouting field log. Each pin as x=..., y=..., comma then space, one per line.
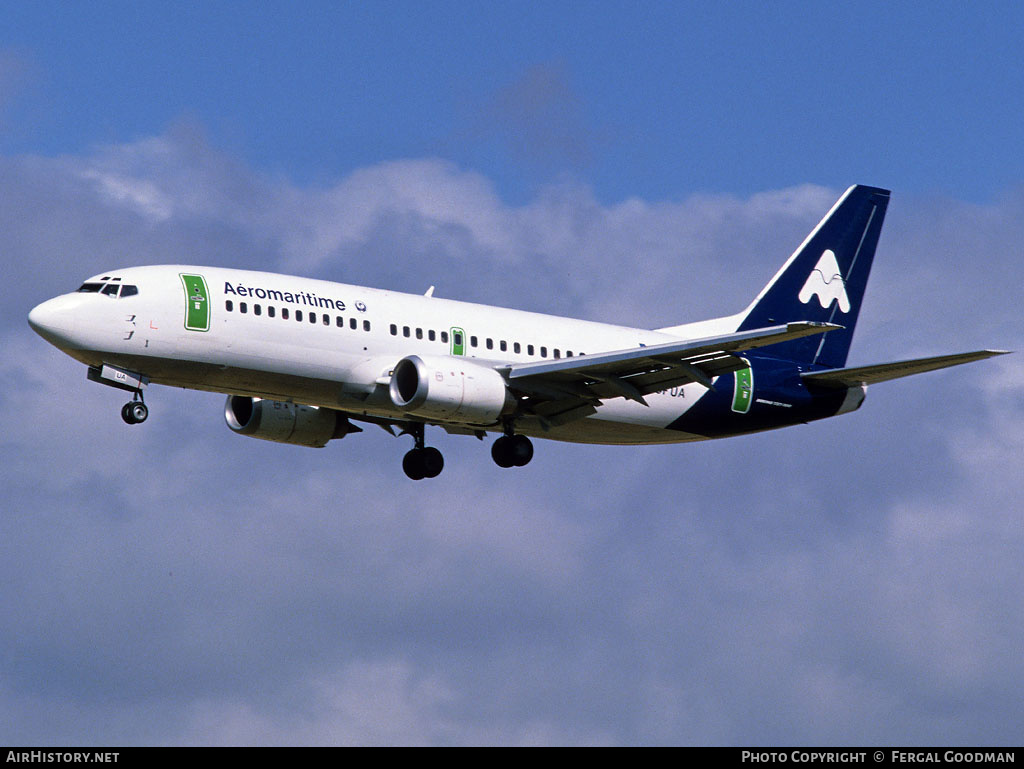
x=512, y=451
x=501, y=452
x=433, y=462
x=412, y=464
x=134, y=412
x=522, y=450
x=423, y=463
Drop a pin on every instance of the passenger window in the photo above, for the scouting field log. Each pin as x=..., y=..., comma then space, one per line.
x=472, y=341
x=529, y=349
x=444, y=338
x=366, y=325
x=557, y=353
x=298, y=315
x=516, y=348
x=229, y=305
x=243, y=307
x=271, y=311
x=568, y=353
x=312, y=317
x=284, y=313
x=419, y=333
x=339, y=322
x=128, y=290
x=503, y=345
x=490, y=343
x=543, y=352
x=394, y=330
x=353, y=325
x=405, y=331
x=431, y=335
x=327, y=319
x=257, y=310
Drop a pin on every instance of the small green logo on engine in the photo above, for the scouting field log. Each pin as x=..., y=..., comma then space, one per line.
x=197, y=303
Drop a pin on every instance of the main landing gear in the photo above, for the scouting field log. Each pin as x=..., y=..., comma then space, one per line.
x=422, y=461
x=135, y=411
x=512, y=450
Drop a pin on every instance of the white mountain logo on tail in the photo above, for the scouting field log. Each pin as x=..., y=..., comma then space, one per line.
x=826, y=282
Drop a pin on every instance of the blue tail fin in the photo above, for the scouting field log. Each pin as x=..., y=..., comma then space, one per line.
x=824, y=280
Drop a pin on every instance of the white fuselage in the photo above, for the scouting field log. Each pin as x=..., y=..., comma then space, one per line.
x=334, y=345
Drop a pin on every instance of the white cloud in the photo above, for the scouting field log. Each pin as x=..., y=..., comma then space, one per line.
x=378, y=702
x=172, y=582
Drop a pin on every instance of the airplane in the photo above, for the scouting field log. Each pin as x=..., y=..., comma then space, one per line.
x=302, y=360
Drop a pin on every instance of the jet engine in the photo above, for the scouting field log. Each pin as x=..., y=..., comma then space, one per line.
x=285, y=422
x=449, y=390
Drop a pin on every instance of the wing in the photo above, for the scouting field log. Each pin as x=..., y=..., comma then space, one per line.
x=560, y=391
x=865, y=375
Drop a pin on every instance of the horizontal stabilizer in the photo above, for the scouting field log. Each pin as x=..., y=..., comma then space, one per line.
x=866, y=375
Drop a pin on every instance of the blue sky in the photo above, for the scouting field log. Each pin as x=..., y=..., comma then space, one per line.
x=852, y=581
x=647, y=99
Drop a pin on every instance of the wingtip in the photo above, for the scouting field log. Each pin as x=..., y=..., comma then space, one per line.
x=812, y=326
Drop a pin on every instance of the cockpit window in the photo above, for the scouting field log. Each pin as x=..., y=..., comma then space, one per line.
x=109, y=289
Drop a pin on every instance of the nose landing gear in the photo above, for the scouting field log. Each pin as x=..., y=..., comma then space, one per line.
x=135, y=411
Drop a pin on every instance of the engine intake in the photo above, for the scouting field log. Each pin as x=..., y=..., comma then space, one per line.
x=285, y=422
x=449, y=390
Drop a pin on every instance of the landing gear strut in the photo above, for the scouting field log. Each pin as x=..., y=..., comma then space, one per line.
x=135, y=411
x=422, y=461
x=512, y=450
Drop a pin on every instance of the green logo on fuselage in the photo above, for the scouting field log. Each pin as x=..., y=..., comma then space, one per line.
x=458, y=341
x=743, y=389
x=197, y=303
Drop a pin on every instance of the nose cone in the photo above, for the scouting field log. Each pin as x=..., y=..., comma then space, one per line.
x=40, y=317
x=50, y=321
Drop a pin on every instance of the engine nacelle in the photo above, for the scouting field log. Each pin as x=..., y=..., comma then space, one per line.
x=285, y=422
x=450, y=390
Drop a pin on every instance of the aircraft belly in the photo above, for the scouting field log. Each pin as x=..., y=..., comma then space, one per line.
x=615, y=423
x=623, y=422
x=306, y=385
x=595, y=430
x=662, y=409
